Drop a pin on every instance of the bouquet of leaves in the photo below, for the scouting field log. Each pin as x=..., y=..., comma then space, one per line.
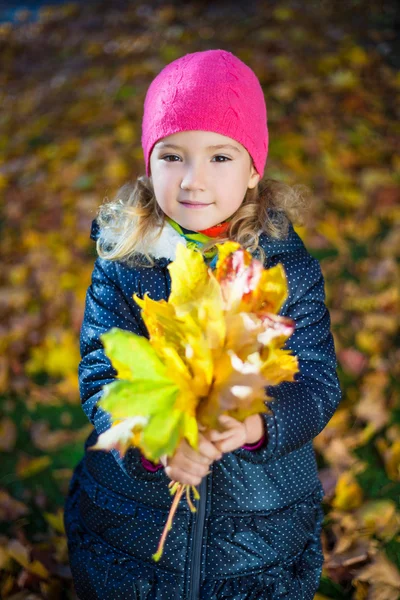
x=213, y=348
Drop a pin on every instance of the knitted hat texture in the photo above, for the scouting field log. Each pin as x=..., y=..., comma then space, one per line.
x=212, y=90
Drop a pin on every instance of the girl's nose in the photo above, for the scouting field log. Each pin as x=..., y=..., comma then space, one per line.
x=193, y=179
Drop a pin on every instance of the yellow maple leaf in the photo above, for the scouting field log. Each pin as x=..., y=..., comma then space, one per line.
x=348, y=493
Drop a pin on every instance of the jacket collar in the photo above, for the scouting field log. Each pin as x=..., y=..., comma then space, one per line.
x=164, y=246
x=160, y=247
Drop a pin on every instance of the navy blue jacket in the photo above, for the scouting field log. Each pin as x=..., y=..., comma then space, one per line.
x=256, y=533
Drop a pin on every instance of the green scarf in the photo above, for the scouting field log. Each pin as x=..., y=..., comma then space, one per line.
x=194, y=239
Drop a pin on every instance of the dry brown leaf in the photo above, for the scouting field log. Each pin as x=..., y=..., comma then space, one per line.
x=372, y=405
x=383, y=577
x=11, y=509
x=48, y=441
x=391, y=457
x=337, y=453
x=378, y=517
x=8, y=434
x=28, y=465
x=21, y=555
x=340, y=568
x=352, y=361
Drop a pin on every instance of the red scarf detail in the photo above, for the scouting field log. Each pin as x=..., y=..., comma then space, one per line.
x=216, y=230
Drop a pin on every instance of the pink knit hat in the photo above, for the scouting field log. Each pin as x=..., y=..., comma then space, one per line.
x=208, y=91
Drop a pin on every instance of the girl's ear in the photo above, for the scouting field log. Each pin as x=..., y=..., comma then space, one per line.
x=254, y=178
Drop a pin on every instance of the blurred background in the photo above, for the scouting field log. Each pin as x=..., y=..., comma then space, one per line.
x=73, y=77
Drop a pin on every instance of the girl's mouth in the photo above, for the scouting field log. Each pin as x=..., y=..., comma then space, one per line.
x=194, y=205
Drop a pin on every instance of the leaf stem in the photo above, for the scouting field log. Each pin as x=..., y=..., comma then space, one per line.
x=168, y=525
x=188, y=498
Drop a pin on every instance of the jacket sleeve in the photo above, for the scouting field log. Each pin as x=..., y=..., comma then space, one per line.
x=106, y=307
x=301, y=409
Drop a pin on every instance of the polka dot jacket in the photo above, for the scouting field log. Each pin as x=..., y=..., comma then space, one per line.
x=256, y=532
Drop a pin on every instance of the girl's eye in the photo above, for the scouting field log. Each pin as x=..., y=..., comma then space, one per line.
x=168, y=156
x=224, y=157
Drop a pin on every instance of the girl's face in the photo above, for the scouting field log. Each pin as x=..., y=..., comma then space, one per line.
x=197, y=184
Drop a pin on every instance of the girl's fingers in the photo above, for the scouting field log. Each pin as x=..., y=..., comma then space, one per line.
x=177, y=474
x=228, y=421
x=193, y=467
x=228, y=445
x=196, y=457
x=164, y=460
x=207, y=449
x=222, y=446
x=206, y=453
x=183, y=468
x=234, y=441
x=187, y=464
x=219, y=435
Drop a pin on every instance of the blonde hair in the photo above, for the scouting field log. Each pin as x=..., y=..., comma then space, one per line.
x=134, y=215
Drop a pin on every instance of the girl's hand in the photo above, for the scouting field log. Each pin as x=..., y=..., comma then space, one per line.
x=189, y=466
x=237, y=433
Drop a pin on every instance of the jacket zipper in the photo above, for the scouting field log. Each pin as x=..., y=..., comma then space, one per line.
x=197, y=544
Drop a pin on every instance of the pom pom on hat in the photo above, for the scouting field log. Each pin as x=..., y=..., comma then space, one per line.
x=212, y=90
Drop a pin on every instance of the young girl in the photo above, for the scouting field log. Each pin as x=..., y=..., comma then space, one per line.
x=256, y=532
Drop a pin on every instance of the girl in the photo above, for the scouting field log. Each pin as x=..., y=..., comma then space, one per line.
x=256, y=532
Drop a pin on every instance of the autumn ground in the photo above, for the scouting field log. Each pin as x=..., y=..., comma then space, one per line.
x=72, y=87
